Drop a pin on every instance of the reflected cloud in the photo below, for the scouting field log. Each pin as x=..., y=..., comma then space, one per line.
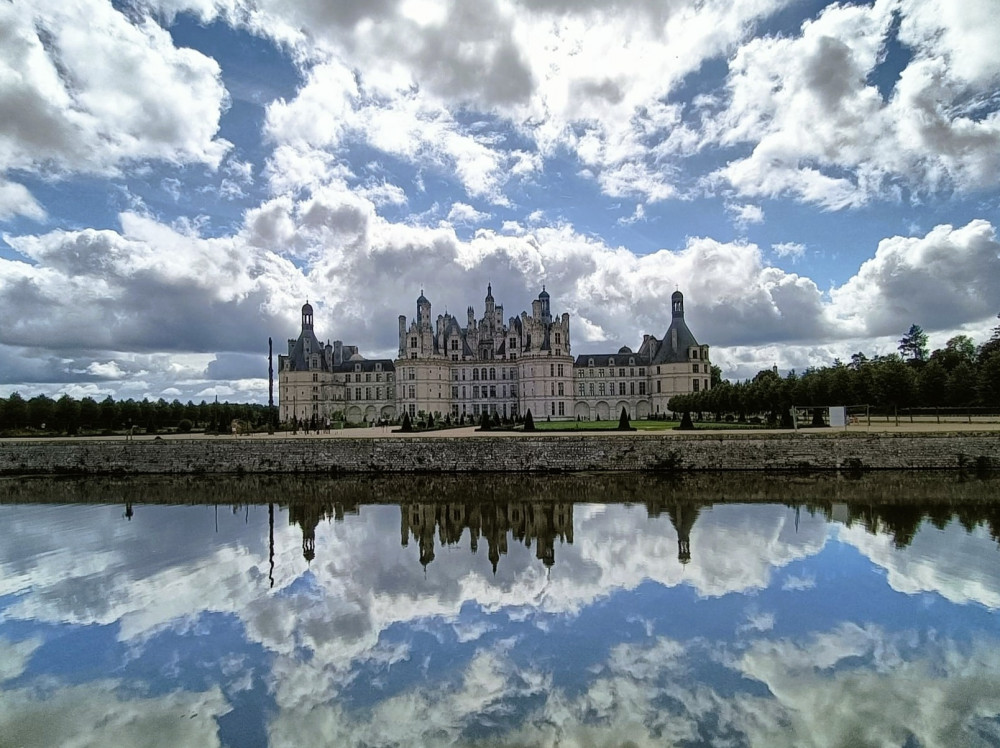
x=107, y=713
x=506, y=621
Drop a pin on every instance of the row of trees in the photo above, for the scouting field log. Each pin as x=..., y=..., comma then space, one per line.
x=960, y=375
x=67, y=415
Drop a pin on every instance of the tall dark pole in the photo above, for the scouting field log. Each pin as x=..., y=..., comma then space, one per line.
x=270, y=387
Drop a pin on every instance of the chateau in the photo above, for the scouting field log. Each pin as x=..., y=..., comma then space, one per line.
x=488, y=366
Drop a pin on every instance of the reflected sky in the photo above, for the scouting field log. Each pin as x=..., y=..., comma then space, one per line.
x=821, y=613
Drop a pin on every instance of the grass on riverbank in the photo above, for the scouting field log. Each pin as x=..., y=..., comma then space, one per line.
x=637, y=425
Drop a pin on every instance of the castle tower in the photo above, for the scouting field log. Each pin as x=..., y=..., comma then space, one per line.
x=423, y=310
x=307, y=316
x=677, y=305
x=543, y=299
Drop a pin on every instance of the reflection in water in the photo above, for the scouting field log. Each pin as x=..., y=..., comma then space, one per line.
x=571, y=610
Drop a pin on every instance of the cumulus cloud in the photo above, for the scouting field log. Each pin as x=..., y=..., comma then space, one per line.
x=819, y=129
x=67, y=107
x=950, y=276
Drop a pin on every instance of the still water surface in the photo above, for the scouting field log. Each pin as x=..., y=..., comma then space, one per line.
x=582, y=610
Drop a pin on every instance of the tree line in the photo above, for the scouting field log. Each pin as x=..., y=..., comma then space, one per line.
x=960, y=375
x=67, y=415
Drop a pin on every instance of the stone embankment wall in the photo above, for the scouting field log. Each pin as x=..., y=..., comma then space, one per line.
x=695, y=452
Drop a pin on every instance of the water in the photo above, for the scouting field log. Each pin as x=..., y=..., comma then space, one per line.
x=580, y=610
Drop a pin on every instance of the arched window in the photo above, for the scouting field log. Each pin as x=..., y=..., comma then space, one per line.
x=475, y=375
x=482, y=374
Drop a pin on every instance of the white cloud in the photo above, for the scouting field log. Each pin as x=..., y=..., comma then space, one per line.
x=820, y=132
x=16, y=200
x=82, y=101
x=793, y=250
x=950, y=276
x=745, y=214
x=463, y=213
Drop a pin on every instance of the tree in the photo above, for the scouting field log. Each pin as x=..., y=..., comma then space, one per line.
x=932, y=383
x=406, y=426
x=90, y=413
x=16, y=412
x=484, y=421
x=913, y=345
x=66, y=415
x=623, y=424
x=529, y=422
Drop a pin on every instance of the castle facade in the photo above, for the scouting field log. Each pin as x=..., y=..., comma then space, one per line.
x=489, y=365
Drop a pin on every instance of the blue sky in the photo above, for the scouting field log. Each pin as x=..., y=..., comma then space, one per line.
x=178, y=176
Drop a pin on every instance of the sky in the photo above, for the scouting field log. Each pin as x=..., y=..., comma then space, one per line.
x=177, y=177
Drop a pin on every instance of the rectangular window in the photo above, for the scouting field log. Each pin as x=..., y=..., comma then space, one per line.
x=559, y=370
x=558, y=338
x=696, y=383
x=552, y=370
x=413, y=391
x=658, y=387
x=600, y=388
x=315, y=376
x=621, y=372
x=413, y=410
x=368, y=377
x=493, y=390
x=552, y=408
x=694, y=368
x=583, y=389
x=413, y=355
x=357, y=393
x=642, y=388
x=475, y=392
x=591, y=389
x=454, y=391
x=561, y=393
x=621, y=388
x=600, y=373
x=413, y=342
x=562, y=410
x=631, y=388
x=368, y=393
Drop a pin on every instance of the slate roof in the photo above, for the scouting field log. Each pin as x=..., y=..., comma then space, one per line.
x=366, y=365
x=297, y=356
x=667, y=354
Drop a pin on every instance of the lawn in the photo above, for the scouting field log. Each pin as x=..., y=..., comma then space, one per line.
x=637, y=425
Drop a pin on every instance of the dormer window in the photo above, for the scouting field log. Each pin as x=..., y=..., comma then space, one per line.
x=357, y=367
x=631, y=362
x=378, y=367
x=694, y=353
x=611, y=362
